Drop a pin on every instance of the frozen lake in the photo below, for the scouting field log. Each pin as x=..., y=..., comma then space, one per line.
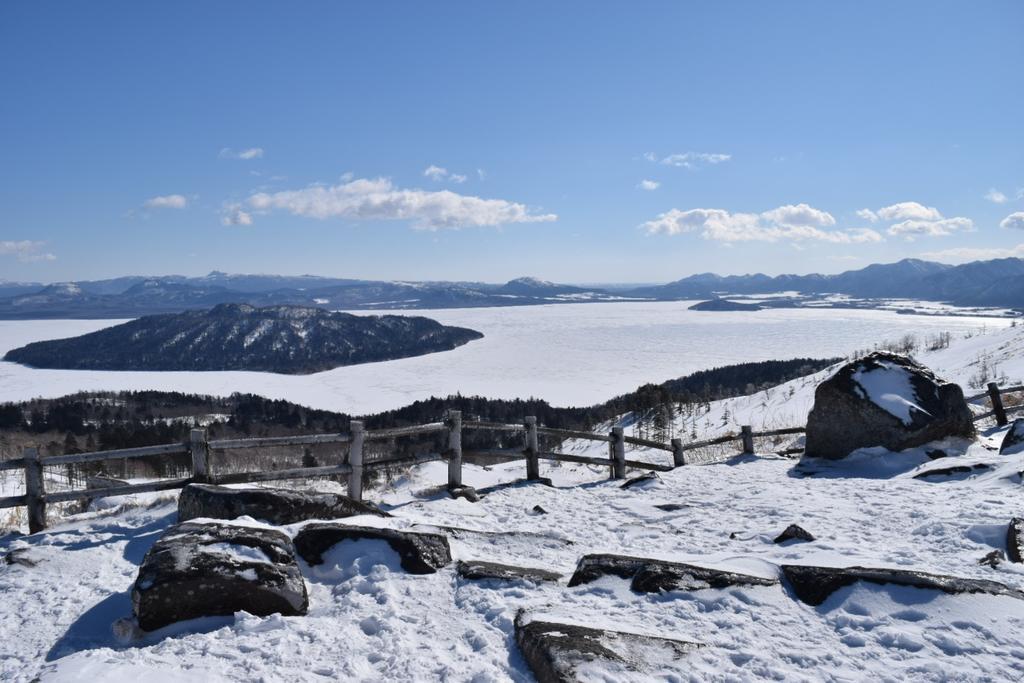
x=568, y=354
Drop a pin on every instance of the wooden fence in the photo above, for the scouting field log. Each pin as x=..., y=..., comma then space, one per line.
x=199, y=448
x=995, y=396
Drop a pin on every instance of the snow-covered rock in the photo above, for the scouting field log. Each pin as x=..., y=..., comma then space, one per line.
x=567, y=653
x=275, y=506
x=478, y=570
x=884, y=399
x=814, y=585
x=1013, y=442
x=653, y=576
x=210, y=569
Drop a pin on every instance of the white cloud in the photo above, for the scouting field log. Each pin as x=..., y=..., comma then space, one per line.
x=649, y=185
x=244, y=154
x=909, y=211
x=800, y=215
x=913, y=219
x=785, y=223
x=995, y=196
x=435, y=172
x=965, y=254
x=481, y=174
x=691, y=159
x=1014, y=220
x=379, y=199
x=650, y=156
x=439, y=173
x=234, y=215
x=169, y=201
x=909, y=229
x=26, y=251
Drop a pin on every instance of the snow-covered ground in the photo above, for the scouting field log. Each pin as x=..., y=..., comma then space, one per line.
x=371, y=621
x=569, y=354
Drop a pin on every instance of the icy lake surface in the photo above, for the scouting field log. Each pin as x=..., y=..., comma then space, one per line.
x=568, y=354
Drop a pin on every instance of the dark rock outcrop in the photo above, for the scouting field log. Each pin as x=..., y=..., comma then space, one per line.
x=887, y=400
x=420, y=553
x=212, y=569
x=1013, y=442
x=813, y=585
x=276, y=506
x=555, y=651
x=953, y=471
x=993, y=559
x=794, y=532
x=641, y=481
x=478, y=570
x=652, y=576
x=1015, y=540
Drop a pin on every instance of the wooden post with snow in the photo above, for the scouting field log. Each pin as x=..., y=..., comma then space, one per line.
x=454, y=424
x=34, y=491
x=355, y=460
x=200, y=455
x=618, y=453
x=747, y=434
x=532, y=449
x=678, y=456
x=997, y=404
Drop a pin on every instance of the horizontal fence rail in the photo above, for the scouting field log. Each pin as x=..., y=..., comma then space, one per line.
x=995, y=396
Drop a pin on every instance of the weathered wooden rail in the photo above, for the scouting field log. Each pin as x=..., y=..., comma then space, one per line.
x=199, y=448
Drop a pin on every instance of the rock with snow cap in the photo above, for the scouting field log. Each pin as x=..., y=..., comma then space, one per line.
x=213, y=569
x=1013, y=442
x=420, y=553
x=556, y=652
x=884, y=399
x=276, y=506
x=813, y=585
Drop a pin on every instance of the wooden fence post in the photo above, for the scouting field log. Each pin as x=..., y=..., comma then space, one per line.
x=532, y=450
x=747, y=435
x=997, y=404
x=355, y=460
x=618, y=453
x=200, y=455
x=35, y=491
x=454, y=423
x=678, y=455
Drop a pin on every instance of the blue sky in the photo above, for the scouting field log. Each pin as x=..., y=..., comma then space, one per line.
x=575, y=141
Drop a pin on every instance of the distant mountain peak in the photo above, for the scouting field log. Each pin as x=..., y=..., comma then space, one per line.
x=529, y=281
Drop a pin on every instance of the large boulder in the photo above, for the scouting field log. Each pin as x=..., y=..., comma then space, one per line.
x=884, y=399
x=566, y=653
x=276, y=506
x=212, y=569
x=813, y=585
x=420, y=553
